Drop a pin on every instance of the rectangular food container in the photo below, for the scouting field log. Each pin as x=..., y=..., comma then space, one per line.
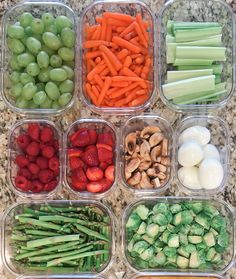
x=101, y=126
x=199, y=11
x=225, y=210
x=88, y=17
x=11, y=15
x=13, y=150
x=182, y=275
x=219, y=137
x=60, y=277
x=17, y=270
x=138, y=123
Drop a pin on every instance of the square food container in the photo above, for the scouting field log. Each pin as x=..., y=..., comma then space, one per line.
x=219, y=137
x=138, y=123
x=13, y=151
x=200, y=11
x=121, y=6
x=17, y=270
x=228, y=256
x=100, y=126
x=182, y=275
x=37, y=8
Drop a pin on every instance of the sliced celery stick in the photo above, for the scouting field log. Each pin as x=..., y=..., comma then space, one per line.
x=217, y=79
x=203, y=62
x=194, y=52
x=217, y=69
x=196, y=34
x=170, y=54
x=193, y=25
x=170, y=39
x=188, y=86
x=214, y=41
x=169, y=26
x=179, y=75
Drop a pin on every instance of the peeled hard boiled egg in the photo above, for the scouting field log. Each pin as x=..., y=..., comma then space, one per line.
x=190, y=154
x=188, y=176
x=210, y=173
x=198, y=133
x=210, y=151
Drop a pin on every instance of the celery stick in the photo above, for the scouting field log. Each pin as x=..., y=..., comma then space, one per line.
x=217, y=79
x=196, y=34
x=188, y=86
x=217, y=69
x=203, y=62
x=179, y=75
x=193, y=25
x=214, y=41
x=170, y=53
x=170, y=39
x=193, y=52
x=169, y=26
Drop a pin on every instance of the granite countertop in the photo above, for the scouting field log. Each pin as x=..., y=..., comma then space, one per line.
x=120, y=197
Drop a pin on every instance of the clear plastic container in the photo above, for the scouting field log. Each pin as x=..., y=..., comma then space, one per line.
x=72, y=276
x=225, y=210
x=130, y=7
x=182, y=275
x=13, y=150
x=199, y=10
x=100, y=126
x=137, y=123
x=18, y=270
x=219, y=137
x=37, y=8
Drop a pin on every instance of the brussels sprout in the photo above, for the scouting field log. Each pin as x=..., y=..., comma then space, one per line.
x=223, y=239
x=210, y=254
x=160, y=219
x=183, y=239
x=173, y=240
x=137, y=237
x=194, y=239
x=217, y=258
x=209, y=239
x=160, y=258
x=165, y=236
x=148, y=239
x=196, y=229
x=170, y=251
x=162, y=229
x=130, y=245
x=185, y=229
x=170, y=228
x=182, y=262
x=218, y=223
x=141, y=264
x=202, y=246
x=133, y=222
x=172, y=259
x=140, y=247
x=219, y=249
x=175, y=208
x=147, y=254
x=169, y=217
x=194, y=261
x=214, y=232
x=203, y=220
x=187, y=217
x=152, y=230
x=210, y=210
x=142, y=228
x=177, y=220
x=196, y=207
x=142, y=211
x=161, y=208
x=182, y=252
x=159, y=244
x=190, y=248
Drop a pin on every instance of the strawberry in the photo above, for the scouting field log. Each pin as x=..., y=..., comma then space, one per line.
x=79, y=186
x=105, y=138
x=48, y=187
x=94, y=187
x=76, y=162
x=90, y=156
x=110, y=173
x=104, y=155
x=103, y=165
x=34, y=131
x=92, y=136
x=21, y=161
x=74, y=152
x=78, y=179
x=46, y=134
x=94, y=174
x=23, y=141
x=80, y=138
x=103, y=145
x=106, y=184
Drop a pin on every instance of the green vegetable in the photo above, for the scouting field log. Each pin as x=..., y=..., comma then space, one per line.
x=182, y=262
x=133, y=222
x=173, y=241
x=179, y=75
x=142, y=211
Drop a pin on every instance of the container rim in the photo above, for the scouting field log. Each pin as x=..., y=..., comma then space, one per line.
x=179, y=274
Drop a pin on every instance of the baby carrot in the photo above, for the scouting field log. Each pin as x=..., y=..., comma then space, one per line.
x=97, y=43
x=104, y=29
x=142, y=26
x=123, y=43
x=98, y=69
x=138, y=70
x=90, y=93
x=128, y=72
x=120, y=29
x=99, y=20
x=109, y=33
x=105, y=72
x=123, y=53
x=92, y=63
x=117, y=22
x=95, y=91
x=130, y=36
x=98, y=60
x=109, y=65
x=141, y=92
x=139, y=60
x=111, y=90
x=127, y=62
x=118, y=16
x=111, y=56
x=103, y=92
x=126, y=78
x=128, y=29
x=119, y=84
x=96, y=34
x=98, y=80
x=122, y=91
x=93, y=54
x=138, y=101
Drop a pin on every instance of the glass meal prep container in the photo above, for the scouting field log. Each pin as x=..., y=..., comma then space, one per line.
x=60, y=277
x=181, y=275
x=167, y=251
x=17, y=269
x=37, y=9
x=101, y=126
x=199, y=11
x=142, y=152
x=131, y=8
x=20, y=128
x=219, y=138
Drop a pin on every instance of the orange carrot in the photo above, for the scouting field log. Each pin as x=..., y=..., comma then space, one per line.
x=138, y=101
x=98, y=69
x=111, y=56
x=120, y=103
x=142, y=26
x=105, y=87
x=96, y=34
x=127, y=62
x=139, y=60
x=122, y=91
x=97, y=43
x=119, y=84
x=138, y=70
x=92, y=63
x=105, y=72
x=90, y=31
x=145, y=69
x=126, y=78
x=109, y=65
x=131, y=95
x=128, y=29
x=104, y=29
x=120, y=29
x=123, y=53
x=93, y=54
x=111, y=90
x=141, y=92
x=90, y=93
x=140, y=34
x=98, y=80
x=95, y=91
x=99, y=20
x=123, y=43
x=109, y=33
x=98, y=60
x=130, y=36
x=119, y=16
x=117, y=22
x=128, y=72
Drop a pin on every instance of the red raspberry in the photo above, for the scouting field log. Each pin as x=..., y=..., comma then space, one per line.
x=76, y=162
x=21, y=161
x=23, y=183
x=42, y=162
x=23, y=141
x=54, y=163
x=24, y=172
x=45, y=176
x=94, y=174
x=50, y=186
x=56, y=145
x=33, y=149
x=32, y=159
x=37, y=186
x=48, y=151
x=56, y=172
x=110, y=173
x=46, y=134
x=33, y=131
x=33, y=168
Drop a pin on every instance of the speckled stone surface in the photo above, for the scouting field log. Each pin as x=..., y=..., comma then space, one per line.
x=120, y=197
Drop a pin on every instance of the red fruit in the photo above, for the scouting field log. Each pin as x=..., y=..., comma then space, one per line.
x=92, y=136
x=56, y=172
x=104, y=155
x=94, y=187
x=105, y=138
x=90, y=156
x=55, y=144
x=106, y=184
x=80, y=138
x=78, y=175
x=103, y=165
x=48, y=151
x=45, y=176
x=32, y=159
x=42, y=162
x=50, y=186
x=74, y=152
x=46, y=134
x=94, y=174
x=76, y=162
x=23, y=141
x=103, y=145
x=33, y=168
x=23, y=183
x=54, y=163
x=37, y=186
x=21, y=161
x=33, y=131
x=79, y=186
x=33, y=149
x=110, y=173
x=24, y=172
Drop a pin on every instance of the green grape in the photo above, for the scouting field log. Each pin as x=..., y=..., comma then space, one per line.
x=52, y=90
x=21, y=102
x=40, y=86
x=66, y=86
x=48, y=50
x=57, y=74
x=52, y=29
x=62, y=22
x=44, y=74
x=51, y=40
x=16, y=89
x=15, y=45
x=67, y=54
x=32, y=105
x=15, y=31
x=13, y=63
x=64, y=99
x=70, y=64
x=38, y=37
x=69, y=71
x=68, y=37
x=55, y=61
x=43, y=59
x=24, y=59
x=33, y=45
x=28, y=31
x=39, y=97
x=55, y=105
x=46, y=104
x=33, y=69
x=26, y=19
x=29, y=90
x=37, y=26
x=25, y=78
x=15, y=77
x=47, y=19
x=23, y=40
